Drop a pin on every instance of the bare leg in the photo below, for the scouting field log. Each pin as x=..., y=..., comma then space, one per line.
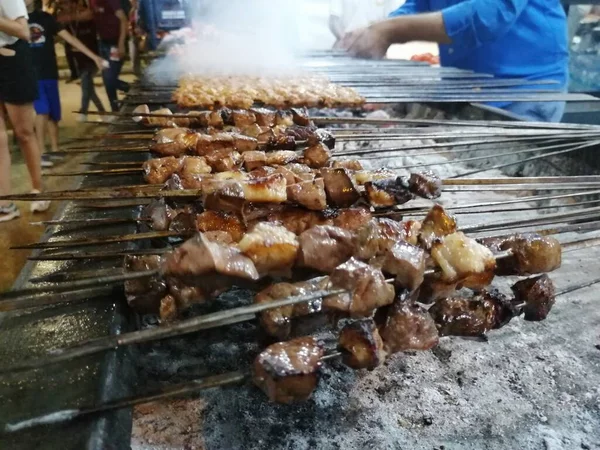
x=4, y=158
x=53, y=133
x=41, y=122
x=22, y=118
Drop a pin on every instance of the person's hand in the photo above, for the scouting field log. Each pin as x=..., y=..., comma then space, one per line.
x=370, y=42
x=122, y=50
x=7, y=52
x=101, y=63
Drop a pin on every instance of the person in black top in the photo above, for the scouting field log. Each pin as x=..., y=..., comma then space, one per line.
x=43, y=28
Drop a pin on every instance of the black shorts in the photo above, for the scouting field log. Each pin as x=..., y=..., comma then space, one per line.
x=18, y=81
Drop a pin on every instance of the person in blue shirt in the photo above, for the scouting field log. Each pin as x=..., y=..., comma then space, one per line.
x=505, y=38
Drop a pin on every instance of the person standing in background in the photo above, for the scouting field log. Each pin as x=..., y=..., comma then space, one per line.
x=349, y=15
x=18, y=90
x=43, y=28
x=78, y=19
x=112, y=24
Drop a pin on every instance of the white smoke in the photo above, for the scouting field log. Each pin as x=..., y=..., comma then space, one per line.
x=244, y=37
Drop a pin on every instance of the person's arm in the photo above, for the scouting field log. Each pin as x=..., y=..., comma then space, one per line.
x=76, y=43
x=17, y=28
x=409, y=7
x=123, y=26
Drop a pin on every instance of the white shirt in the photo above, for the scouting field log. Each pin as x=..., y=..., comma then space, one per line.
x=361, y=13
x=11, y=10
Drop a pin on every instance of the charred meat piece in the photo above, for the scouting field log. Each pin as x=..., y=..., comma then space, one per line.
x=298, y=220
x=464, y=261
x=361, y=345
x=159, y=170
x=301, y=133
x=271, y=247
x=324, y=136
x=437, y=224
x=366, y=286
x=425, y=185
x=159, y=213
x=144, y=294
x=185, y=295
x=340, y=189
x=264, y=117
x=199, y=256
x=324, y=248
x=281, y=157
x=406, y=263
x=379, y=198
x=289, y=371
x=377, y=236
x=243, y=118
x=210, y=221
x=301, y=117
x=184, y=221
x=174, y=141
x=538, y=294
x=408, y=326
x=531, y=254
x=349, y=164
x=434, y=288
x=310, y=194
x=472, y=316
x=351, y=218
x=277, y=322
x=317, y=156
x=387, y=192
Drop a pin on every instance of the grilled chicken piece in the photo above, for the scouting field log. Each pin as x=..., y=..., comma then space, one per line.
x=317, y=156
x=377, y=236
x=277, y=322
x=159, y=170
x=243, y=118
x=472, y=316
x=282, y=157
x=264, y=117
x=464, y=261
x=288, y=371
x=408, y=326
x=284, y=118
x=366, y=286
x=174, y=141
x=324, y=248
x=406, y=263
x=271, y=247
x=425, y=185
x=438, y=223
x=159, y=213
x=310, y=194
x=220, y=221
x=361, y=345
x=144, y=294
x=538, y=294
x=531, y=254
x=349, y=164
x=301, y=117
x=199, y=256
x=340, y=189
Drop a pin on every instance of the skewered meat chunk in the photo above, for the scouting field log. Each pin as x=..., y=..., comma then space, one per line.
x=186, y=295
x=377, y=236
x=174, y=141
x=406, y=263
x=366, y=286
x=464, y=260
x=144, y=294
x=264, y=117
x=361, y=345
x=224, y=160
x=425, y=184
x=277, y=322
x=199, y=256
x=168, y=309
x=317, y=156
x=244, y=143
x=215, y=119
x=281, y=157
x=242, y=118
x=379, y=198
x=302, y=133
x=538, y=294
x=472, y=316
x=434, y=288
x=159, y=170
x=531, y=254
x=271, y=189
x=210, y=221
x=361, y=177
x=310, y=194
x=271, y=247
x=253, y=160
x=349, y=164
x=159, y=213
x=322, y=135
x=301, y=117
x=438, y=223
x=284, y=118
x=341, y=191
x=324, y=248
x=192, y=166
x=207, y=144
x=408, y=326
x=288, y=371
x=412, y=230
x=388, y=192
x=351, y=218
x=301, y=171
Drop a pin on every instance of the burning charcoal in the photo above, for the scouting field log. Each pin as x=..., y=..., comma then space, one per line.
x=408, y=326
x=531, y=254
x=538, y=294
x=407, y=263
x=289, y=371
x=361, y=345
x=341, y=191
x=463, y=260
x=425, y=185
x=271, y=247
x=310, y=194
x=366, y=286
x=323, y=248
x=437, y=224
x=472, y=316
x=317, y=156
